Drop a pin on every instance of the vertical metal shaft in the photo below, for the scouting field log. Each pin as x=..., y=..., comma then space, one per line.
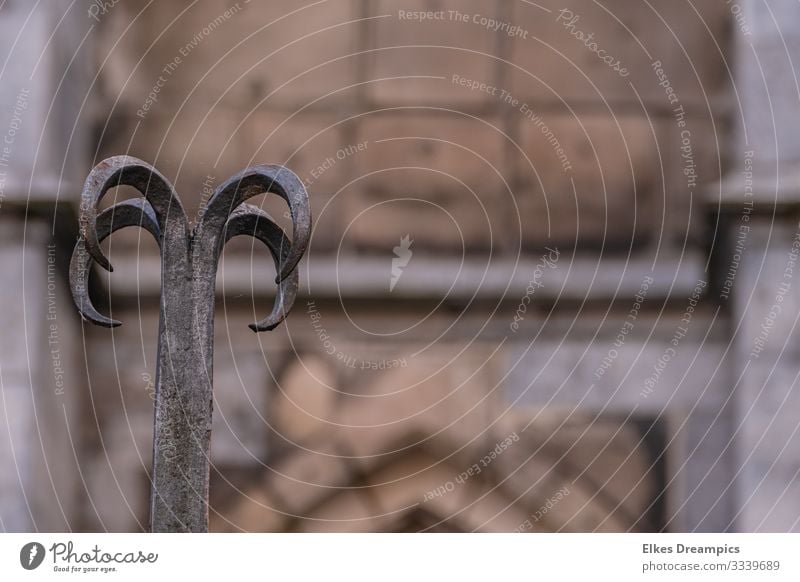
x=184, y=393
x=183, y=405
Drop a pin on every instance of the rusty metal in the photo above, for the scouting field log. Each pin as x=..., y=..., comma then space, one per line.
x=189, y=256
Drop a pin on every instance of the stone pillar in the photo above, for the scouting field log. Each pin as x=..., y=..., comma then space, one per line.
x=767, y=45
x=767, y=307
x=41, y=384
x=761, y=272
x=42, y=151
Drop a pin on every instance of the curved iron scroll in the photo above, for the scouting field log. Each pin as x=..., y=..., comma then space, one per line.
x=189, y=257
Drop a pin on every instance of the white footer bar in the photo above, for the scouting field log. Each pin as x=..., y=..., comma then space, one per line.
x=406, y=557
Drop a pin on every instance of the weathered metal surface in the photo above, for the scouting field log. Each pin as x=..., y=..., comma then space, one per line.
x=183, y=403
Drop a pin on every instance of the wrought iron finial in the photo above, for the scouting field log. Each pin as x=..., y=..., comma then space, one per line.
x=189, y=257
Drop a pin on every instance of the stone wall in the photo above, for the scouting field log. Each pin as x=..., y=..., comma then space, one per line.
x=486, y=139
x=496, y=187
x=485, y=132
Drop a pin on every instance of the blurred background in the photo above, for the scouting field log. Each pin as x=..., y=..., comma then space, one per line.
x=549, y=288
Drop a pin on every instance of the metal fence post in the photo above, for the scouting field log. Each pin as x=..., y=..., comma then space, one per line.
x=189, y=256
